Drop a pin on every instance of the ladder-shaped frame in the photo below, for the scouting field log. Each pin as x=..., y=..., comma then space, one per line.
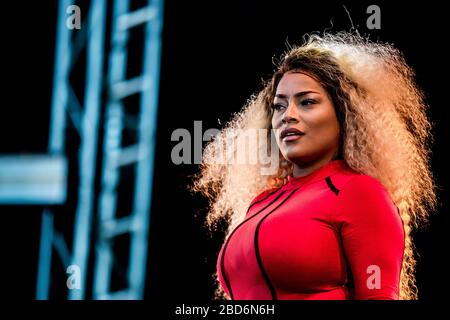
x=86, y=118
x=141, y=155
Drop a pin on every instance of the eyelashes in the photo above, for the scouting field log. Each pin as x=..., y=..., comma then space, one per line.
x=277, y=106
x=305, y=102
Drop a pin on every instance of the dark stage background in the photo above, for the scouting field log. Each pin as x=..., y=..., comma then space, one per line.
x=214, y=55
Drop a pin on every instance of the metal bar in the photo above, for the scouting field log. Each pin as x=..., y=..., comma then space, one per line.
x=147, y=140
x=45, y=256
x=78, y=44
x=112, y=144
x=61, y=248
x=135, y=18
x=119, y=295
x=129, y=155
x=56, y=141
x=117, y=227
x=74, y=110
x=88, y=148
x=36, y=179
x=129, y=87
x=60, y=81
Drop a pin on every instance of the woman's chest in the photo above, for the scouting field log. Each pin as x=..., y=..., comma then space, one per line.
x=292, y=237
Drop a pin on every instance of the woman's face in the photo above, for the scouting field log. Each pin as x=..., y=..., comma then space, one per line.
x=303, y=106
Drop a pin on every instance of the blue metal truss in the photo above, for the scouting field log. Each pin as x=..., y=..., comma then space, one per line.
x=140, y=155
x=87, y=117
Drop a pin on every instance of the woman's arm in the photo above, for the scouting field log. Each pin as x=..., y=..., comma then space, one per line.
x=373, y=238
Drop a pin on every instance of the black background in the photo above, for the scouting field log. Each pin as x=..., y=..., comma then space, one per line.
x=214, y=55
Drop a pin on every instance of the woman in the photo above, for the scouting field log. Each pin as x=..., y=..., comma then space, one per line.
x=353, y=179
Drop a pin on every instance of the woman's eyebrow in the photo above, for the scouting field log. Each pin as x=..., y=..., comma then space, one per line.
x=297, y=95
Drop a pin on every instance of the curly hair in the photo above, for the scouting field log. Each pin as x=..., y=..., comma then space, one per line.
x=385, y=134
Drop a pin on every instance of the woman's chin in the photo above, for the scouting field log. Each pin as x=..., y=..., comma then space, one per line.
x=293, y=156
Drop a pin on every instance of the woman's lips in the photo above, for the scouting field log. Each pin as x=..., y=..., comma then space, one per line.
x=292, y=137
x=291, y=134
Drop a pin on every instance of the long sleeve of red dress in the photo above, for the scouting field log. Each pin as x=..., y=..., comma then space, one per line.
x=333, y=234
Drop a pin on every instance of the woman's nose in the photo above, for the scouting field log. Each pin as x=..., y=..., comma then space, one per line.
x=290, y=115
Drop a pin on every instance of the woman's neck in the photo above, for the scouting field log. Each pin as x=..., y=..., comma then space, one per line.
x=301, y=170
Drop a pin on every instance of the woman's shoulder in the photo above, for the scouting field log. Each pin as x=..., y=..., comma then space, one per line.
x=362, y=183
x=352, y=181
x=263, y=195
x=366, y=194
x=359, y=189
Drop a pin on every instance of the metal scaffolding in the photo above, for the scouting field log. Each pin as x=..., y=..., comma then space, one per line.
x=88, y=118
x=141, y=155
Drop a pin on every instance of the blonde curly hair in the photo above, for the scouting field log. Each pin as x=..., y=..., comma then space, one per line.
x=386, y=134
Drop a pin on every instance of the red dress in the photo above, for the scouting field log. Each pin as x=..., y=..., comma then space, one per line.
x=332, y=234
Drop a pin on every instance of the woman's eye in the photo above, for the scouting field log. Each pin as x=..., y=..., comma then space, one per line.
x=307, y=102
x=277, y=106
